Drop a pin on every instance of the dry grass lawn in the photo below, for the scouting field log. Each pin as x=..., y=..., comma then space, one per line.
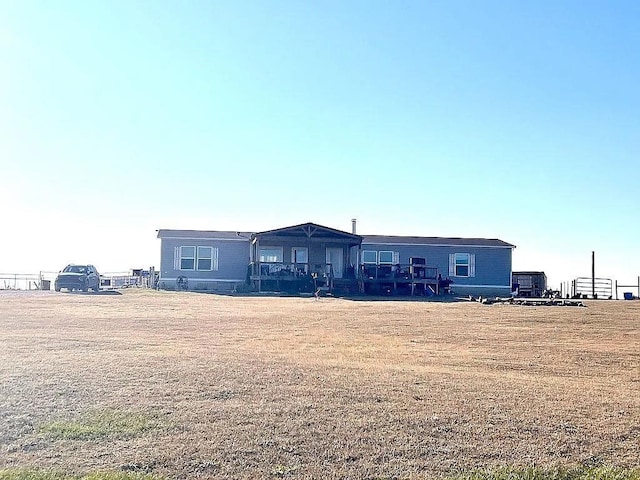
x=190, y=385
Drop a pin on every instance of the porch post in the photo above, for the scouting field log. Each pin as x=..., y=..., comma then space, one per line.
x=257, y=263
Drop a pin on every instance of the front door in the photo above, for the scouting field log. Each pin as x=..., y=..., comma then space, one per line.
x=335, y=256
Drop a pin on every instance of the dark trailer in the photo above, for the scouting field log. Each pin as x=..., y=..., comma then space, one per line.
x=529, y=284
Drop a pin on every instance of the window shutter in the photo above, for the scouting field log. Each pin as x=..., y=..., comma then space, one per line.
x=214, y=259
x=472, y=265
x=176, y=258
x=396, y=258
x=452, y=264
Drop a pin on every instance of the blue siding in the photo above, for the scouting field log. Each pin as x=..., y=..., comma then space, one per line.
x=492, y=265
x=233, y=260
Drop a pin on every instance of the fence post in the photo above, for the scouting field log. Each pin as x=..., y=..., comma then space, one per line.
x=593, y=274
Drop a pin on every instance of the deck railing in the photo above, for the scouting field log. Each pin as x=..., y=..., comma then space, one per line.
x=405, y=272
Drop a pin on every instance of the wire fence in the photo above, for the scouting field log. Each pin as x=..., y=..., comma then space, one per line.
x=44, y=280
x=139, y=279
x=629, y=291
x=605, y=288
x=27, y=281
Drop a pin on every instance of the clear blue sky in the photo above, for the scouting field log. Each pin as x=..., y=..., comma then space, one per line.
x=499, y=119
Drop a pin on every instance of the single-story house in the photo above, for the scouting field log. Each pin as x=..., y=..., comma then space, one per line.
x=309, y=257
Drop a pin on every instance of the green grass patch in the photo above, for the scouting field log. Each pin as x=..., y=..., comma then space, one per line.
x=12, y=474
x=119, y=476
x=536, y=473
x=110, y=423
x=22, y=474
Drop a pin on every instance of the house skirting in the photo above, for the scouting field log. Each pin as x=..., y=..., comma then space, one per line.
x=461, y=290
x=202, y=284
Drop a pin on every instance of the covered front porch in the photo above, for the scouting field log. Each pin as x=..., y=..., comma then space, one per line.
x=301, y=258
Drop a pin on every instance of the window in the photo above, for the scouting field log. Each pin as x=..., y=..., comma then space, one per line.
x=187, y=258
x=385, y=258
x=370, y=256
x=462, y=265
x=271, y=254
x=205, y=258
x=299, y=255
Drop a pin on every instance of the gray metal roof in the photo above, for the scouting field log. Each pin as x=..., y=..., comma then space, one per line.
x=204, y=234
x=436, y=241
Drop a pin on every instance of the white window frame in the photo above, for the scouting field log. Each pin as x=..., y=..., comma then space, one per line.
x=182, y=257
x=375, y=253
x=470, y=264
x=391, y=262
x=178, y=257
x=299, y=249
x=212, y=257
x=279, y=254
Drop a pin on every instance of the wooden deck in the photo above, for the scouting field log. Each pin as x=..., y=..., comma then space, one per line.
x=401, y=279
x=370, y=279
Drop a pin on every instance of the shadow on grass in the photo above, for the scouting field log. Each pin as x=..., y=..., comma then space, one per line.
x=351, y=297
x=100, y=292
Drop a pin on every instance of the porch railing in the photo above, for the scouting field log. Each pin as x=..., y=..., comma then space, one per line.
x=295, y=271
x=290, y=271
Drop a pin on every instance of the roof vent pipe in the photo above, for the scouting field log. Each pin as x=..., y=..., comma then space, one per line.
x=353, y=226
